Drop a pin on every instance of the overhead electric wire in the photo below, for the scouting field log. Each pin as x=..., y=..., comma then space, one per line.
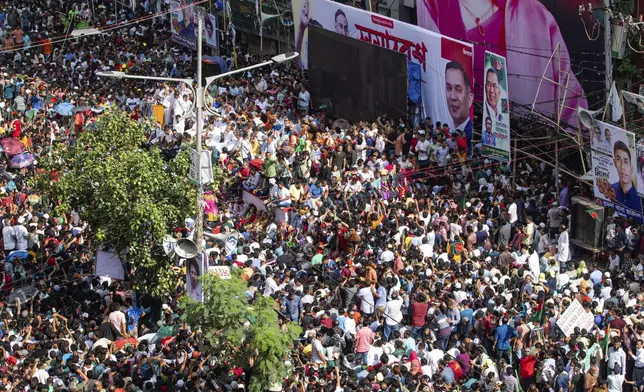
x=103, y=29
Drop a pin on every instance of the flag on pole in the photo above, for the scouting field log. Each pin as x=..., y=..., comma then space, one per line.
x=593, y=214
x=615, y=104
x=228, y=11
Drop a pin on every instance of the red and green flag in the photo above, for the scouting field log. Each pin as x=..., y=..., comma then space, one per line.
x=593, y=214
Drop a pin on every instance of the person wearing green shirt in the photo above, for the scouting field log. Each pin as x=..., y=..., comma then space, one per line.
x=317, y=259
x=270, y=166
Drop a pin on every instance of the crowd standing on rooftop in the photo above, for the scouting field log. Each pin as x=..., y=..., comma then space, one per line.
x=408, y=265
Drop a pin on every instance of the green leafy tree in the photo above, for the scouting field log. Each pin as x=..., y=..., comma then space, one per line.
x=242, y=332
x=129, y=194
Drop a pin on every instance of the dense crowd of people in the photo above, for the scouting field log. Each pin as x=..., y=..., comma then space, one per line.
x=410, y=262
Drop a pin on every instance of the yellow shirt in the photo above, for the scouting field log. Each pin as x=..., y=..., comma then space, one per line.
x=255, y=147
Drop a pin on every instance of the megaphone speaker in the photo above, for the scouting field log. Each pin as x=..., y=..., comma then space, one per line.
x=287, y=19
x=587, y=117
x=186, y=249
x=264, y=17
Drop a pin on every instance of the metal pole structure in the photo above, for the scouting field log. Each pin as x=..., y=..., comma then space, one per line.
x=200, y=12
x=608, y=57
x=557, y=164
x=280, y=58
x=514, y=166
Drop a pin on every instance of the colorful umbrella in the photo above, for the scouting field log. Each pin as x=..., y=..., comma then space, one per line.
x=12, y=146
x=25, y=294
x=17, y=254
x=22, y=160
x=65, y=109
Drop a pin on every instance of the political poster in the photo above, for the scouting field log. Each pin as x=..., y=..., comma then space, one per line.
x=445, y=64
x=527, y=33
x=183, y=25
x=495, y=135
x=575, y=316
x=615, y=170
x=194, y=270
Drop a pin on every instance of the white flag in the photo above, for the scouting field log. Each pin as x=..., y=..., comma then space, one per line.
x=615, y=104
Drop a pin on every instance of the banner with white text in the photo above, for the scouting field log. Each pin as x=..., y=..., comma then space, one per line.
x=495, y=135
x=615, y=170
x=445, y=64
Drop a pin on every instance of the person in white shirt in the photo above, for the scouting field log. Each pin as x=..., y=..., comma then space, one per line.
x=638, y=357
x=393, y=314
x=21, y=235
x=387, y=256
x=441, y=154
x=615, y=380
x=270, y=286
x=367, y=301
x=168, y=104
x=616, y=358
x=422, y=149
x=512, y=211
x=317, y=350
x=304, y=100
x=8, y=236
x=563, y=248
x=613, y=260
x=426, y=248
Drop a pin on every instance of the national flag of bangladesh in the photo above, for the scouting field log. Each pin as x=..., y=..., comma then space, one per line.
x=593, y=214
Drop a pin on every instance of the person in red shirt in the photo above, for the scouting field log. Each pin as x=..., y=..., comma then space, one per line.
x=419, y=309
x=461, y=141
x=527, y=373
x=17, y=126
x=456, y=368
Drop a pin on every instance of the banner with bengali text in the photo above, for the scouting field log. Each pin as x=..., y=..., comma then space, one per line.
x=615, y=170
x=495, y=134
x=446, y=64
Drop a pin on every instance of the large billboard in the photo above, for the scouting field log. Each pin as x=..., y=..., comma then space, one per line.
x=495, y=135
x=183, y=25
x=526, y=33
x=368, y=83
x=445, y=64
x=615, y=170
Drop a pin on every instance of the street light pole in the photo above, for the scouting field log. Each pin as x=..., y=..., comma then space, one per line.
x=198, y=106
x=280, y=58
x=199, y=98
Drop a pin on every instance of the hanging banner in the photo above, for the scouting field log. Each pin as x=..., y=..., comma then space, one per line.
x=534, y=36
x=445, y=64
x=194, y=270
x=640, y=169
x=495, y=135
x=183, y=25
x=615, y=170
x=210, y=31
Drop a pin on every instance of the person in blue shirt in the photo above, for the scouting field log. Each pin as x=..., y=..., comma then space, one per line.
x=467, y=312
x=502, y=336
x=625, y=190
x=292, y=306
x=488, y=137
